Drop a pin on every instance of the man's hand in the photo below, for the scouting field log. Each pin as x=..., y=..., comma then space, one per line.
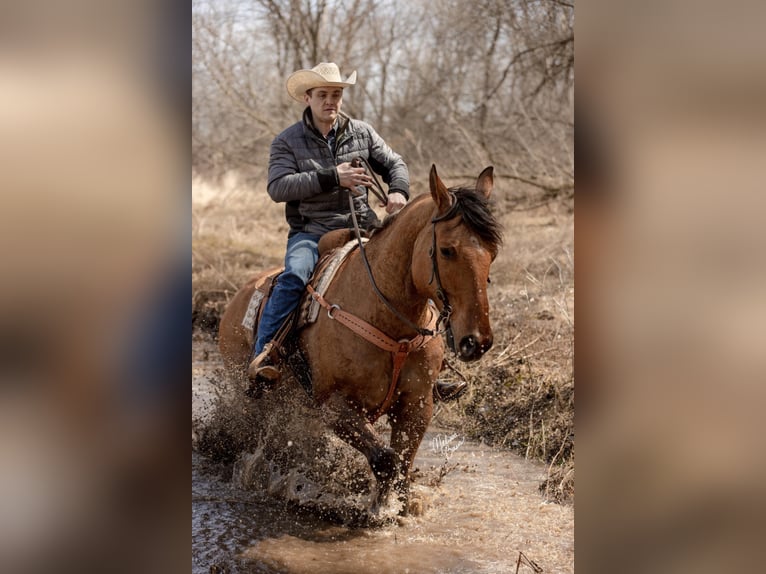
x=396, y=201
x=350, y=177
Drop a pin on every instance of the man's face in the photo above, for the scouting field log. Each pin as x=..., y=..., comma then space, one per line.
x=325, y=103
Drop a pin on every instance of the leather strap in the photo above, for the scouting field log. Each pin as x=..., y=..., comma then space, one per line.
x=399, y=349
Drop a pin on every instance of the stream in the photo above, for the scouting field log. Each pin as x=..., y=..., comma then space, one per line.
x=479, y=510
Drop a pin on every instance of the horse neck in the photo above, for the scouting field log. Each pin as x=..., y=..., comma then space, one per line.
x=390, y=255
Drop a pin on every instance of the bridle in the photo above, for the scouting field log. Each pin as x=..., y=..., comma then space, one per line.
x=446, y=312
x=443, y=325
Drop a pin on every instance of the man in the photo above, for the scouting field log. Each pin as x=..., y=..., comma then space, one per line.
x=310, y=171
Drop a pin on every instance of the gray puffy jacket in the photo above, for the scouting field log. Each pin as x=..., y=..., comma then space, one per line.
x=302, y=173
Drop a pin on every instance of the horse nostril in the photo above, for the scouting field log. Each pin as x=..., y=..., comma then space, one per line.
x=468, y=346
x=472, y=348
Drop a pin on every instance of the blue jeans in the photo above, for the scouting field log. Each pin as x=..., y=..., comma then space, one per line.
x=300, y=259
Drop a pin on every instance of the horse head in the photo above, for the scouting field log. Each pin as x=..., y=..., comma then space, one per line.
x=463, y=242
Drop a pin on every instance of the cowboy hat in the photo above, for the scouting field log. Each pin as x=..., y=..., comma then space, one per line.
x=324, y=74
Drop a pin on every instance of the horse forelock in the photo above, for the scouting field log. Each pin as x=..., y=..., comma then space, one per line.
x=474, y=209
x=478, y=217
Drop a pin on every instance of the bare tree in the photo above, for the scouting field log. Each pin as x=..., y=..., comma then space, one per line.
x=445, y=81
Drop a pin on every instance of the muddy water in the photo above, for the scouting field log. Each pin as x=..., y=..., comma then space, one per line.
x=478, y=509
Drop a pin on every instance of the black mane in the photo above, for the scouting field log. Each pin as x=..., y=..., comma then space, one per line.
x=476, y=213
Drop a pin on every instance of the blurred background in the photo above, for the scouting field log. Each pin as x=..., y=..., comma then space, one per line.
x=671, y=274
x=94, y=259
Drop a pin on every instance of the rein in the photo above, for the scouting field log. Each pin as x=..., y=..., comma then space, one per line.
x=419, y=330
x=446, y=311
x=376, y=189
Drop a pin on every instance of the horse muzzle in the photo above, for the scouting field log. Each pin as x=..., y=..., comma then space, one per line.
x=473, y=347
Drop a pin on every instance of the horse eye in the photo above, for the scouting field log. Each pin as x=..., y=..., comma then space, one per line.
x=447, y=252
x=489, y=279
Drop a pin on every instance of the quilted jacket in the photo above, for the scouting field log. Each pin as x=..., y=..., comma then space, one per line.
x=302, y=173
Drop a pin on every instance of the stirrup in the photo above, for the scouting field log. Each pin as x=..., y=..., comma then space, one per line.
x=263, y=368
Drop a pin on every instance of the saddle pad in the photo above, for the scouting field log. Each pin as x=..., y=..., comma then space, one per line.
x=248, y=321
x=326, y=275
x=262, y=289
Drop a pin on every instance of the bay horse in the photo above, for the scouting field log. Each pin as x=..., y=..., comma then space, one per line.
x=438, y=249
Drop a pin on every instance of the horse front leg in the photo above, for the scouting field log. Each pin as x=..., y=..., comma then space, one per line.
x=409, y=421
x=352, y=427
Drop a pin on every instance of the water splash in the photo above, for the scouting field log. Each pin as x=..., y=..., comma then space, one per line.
x=278, y=444
x=289, y=497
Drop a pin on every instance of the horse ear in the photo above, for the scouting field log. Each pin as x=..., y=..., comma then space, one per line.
x=439, y=191
x=485, y=182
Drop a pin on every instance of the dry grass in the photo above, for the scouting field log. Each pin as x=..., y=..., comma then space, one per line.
x=236, y=230
x=522, y=393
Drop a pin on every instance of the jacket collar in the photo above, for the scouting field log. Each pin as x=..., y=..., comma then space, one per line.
x=308, y=123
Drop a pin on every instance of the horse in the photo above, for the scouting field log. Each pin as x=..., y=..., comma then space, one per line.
x=437, y=251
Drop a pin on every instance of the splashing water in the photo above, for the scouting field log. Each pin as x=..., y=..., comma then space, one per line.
x=289, y=496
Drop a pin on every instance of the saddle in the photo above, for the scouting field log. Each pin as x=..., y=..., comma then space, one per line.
x=334, y=249
x=284, y=344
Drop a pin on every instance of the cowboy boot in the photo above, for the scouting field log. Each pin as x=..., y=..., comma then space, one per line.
x=446, y=391
x=263, y=370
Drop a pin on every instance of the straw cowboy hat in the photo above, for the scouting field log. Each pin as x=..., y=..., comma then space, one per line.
x=324, y=74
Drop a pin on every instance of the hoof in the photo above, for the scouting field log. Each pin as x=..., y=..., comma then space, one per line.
x=383, y=464
x=416, y=507
x=420, y=500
